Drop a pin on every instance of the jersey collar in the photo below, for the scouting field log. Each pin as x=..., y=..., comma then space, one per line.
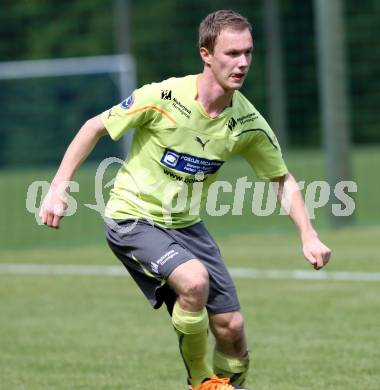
x=201, y=109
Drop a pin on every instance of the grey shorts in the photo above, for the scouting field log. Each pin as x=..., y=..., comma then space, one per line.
x=151, y=253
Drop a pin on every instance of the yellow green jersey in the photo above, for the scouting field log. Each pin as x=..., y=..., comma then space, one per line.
x=178, y=149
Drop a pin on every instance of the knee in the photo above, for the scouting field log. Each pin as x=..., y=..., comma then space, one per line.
x=195, y=291
x=196, y=287
x=191, y=283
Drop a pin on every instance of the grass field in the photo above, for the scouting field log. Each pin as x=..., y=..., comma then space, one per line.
x=98, y=332
x=82, y=332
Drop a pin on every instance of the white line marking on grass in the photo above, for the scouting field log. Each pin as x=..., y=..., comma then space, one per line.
x=252, y=273
x=238, y=273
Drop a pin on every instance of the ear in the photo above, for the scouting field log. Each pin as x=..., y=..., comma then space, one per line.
x=205, y=55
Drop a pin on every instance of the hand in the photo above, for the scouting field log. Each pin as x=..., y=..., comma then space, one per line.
x=316, y=252
x=54, y=206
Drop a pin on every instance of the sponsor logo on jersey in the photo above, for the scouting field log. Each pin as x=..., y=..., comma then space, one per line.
x=188, y=179
x=112, y=112
x=189, y=164
x=200, y=141
x=231, y=123
x=170, y=158
x=181, y=108
x=166, y=94
x=247, y=118
x=127, y=103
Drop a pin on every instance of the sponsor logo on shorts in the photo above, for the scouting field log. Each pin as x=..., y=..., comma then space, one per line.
x=162, y=260
x=128, y=102
x=154, y=267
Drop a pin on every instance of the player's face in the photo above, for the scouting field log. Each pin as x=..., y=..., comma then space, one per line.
x=232, y=58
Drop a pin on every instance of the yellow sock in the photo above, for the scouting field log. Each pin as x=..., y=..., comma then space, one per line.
x=192, y=330
x=235, y=368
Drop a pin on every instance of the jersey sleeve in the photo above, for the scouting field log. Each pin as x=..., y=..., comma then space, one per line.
x=263, y=152
x=135, y=111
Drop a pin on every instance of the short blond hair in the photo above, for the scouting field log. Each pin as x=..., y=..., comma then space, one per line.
x=213, y=24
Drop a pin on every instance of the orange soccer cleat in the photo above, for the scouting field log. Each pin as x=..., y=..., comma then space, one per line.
x=215, y=383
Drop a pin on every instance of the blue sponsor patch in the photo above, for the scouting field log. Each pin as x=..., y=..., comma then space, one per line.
x=127, y=103
x=189, y=164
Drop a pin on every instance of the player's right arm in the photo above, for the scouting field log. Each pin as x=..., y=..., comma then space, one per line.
x=136, y=110
x=55, y=203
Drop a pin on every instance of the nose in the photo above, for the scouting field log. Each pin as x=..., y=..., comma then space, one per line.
x=244, y=61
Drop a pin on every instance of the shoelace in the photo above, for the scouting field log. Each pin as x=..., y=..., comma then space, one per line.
x=216, y=383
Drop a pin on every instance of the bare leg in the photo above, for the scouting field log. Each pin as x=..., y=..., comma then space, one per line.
x=230, y=355
x=190, y=318
x=190, y=282
x=228, y=329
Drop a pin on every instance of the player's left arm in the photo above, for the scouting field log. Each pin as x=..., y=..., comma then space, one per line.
x=314, y=250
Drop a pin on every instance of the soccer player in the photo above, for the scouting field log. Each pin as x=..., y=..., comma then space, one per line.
x=186, y=128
